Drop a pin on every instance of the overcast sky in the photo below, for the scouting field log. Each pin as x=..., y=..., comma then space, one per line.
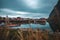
x=27, y=8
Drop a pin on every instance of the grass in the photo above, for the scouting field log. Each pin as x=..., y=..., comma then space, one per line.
x=30, y=34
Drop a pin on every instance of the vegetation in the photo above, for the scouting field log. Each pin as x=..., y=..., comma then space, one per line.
x=30, y=34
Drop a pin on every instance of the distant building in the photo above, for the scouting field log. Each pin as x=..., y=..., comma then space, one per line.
x=19, y=18
x=42, y=19
x=26, y=19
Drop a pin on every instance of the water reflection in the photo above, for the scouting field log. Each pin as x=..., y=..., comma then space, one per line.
x=47, y=26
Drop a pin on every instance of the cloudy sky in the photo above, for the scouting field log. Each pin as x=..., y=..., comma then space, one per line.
x=27, y=8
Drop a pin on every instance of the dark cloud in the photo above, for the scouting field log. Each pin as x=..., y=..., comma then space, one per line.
x=18, y=5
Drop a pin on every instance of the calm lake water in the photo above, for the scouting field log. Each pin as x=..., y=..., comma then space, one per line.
x=47, y=26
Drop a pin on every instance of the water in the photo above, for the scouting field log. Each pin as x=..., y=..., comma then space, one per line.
x=47, y=26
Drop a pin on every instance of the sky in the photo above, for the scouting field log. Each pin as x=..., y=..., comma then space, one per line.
x=27, y=8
